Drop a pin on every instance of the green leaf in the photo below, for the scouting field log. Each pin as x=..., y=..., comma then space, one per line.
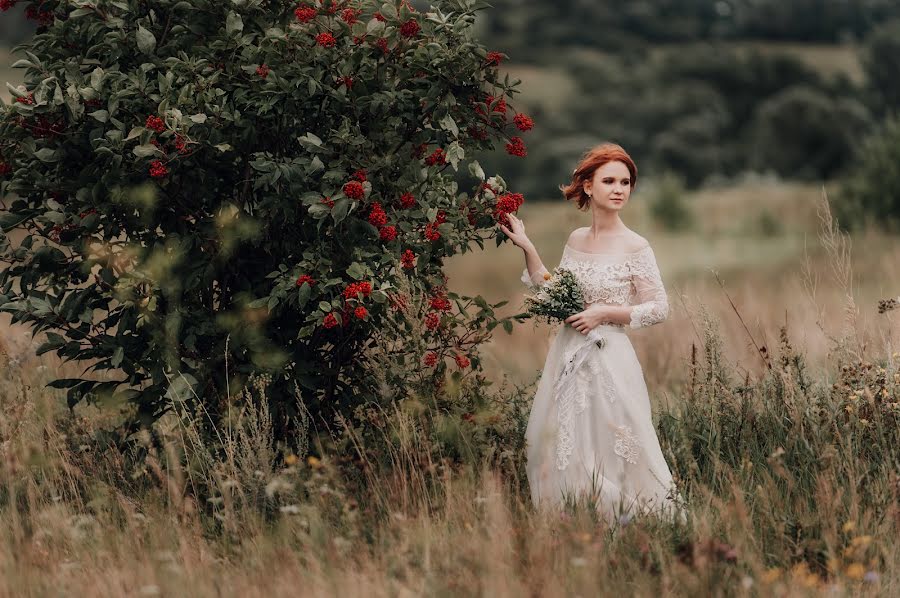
x=303, y=296
x=117, y=357
x=47, y=155
x=146, y=41
x=233, y=23
x=476, y=170
x=101, y=115
x=325, y=306
x=148, y=149
x=340, y=210
x=356, y=271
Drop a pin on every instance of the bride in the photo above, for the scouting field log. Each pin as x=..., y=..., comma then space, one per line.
x=590, y=432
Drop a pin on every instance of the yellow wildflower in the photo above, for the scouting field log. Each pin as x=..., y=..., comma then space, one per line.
x=849, y=527
x=291, y=459
x=855, y=571
x=861, y=541
x=314, y=462
x=771, y=575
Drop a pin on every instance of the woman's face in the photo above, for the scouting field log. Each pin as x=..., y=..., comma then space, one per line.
x=610, y=187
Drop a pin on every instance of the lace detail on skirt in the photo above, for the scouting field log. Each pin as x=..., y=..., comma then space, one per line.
x=572, y=392
x=626, y=444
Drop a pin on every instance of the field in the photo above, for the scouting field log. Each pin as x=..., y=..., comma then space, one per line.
x=776, y=391
x=765, y=465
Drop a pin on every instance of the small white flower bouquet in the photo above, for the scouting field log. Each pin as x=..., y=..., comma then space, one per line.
x=557, y=299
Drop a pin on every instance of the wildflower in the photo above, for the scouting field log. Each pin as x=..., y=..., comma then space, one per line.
x=354, y=190
x=326, y=40
x=388, y=233
x=431, y=359
x=437, y=157
x=407, y=200
x=360, y=313
x=263, y=71
x=855, y=571
x=314, y=462
x=158, y=169
x=410, y=28
x=462, y=361
x=523, y=122
x=408, y=259
x=291, y=459
x=155, y=123
x=516, y=147
x=330, y=321
x=305, y=14
x=494, y=58
x=305, y=278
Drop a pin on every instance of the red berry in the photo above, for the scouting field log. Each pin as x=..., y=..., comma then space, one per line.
x=410, y=28
x=350, y=16
x=359, y=175
x=462, y=361
x=383, y=44
x=263, y=71
x=432, y=320
x=377, y=217
x=155, y=123
x=306, y=278
x=326, y=40
x=330, y=321
x=407, y=200
x=360, y=312
x=437, y=157
x=305, y=14
x=431, y=359
x=516, y=147
x=523, y=122
x=388, y=233
x=431, y=231
x=354, y=190
x=408, y=259
x=158, y=169
x=494, y=58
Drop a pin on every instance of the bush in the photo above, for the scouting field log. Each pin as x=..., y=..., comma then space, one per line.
x=803, y=133
x=881, y=60
x=210, y=189
x=668, y=204
x=871, y=193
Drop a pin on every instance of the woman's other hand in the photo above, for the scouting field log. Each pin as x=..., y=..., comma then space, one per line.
x=587, y=320
x=516, y=232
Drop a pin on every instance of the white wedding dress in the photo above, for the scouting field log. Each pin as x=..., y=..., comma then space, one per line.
x=590, y=431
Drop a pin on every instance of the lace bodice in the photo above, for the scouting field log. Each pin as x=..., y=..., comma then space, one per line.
x=615, y=279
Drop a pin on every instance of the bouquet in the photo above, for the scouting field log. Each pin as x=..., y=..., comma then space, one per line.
x=558, y=299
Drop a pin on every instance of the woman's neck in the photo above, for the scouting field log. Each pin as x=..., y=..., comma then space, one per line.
x=606, y=223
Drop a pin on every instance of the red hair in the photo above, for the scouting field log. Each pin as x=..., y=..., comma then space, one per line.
x=593, y=159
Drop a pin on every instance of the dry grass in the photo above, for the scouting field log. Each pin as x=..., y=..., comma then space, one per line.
x=762, y=273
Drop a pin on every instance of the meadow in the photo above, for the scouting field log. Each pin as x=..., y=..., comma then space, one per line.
x=788, y=465
x=776, y=395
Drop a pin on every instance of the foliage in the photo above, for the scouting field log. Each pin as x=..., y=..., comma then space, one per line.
x=882, y=64
x=871, y=192
x=668, y=205
x=204, y=190
x=802, y=133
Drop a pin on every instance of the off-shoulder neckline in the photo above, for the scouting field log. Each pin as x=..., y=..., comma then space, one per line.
x=572, y=249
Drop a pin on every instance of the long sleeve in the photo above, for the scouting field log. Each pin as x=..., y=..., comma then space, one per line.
x=652, y=305
x=537, y=280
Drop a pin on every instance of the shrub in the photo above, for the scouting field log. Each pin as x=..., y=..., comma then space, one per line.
x=208, y=190
x=668, y=204
x=872, y=190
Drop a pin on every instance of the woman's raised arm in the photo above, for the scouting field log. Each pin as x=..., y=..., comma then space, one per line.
x=535, y=273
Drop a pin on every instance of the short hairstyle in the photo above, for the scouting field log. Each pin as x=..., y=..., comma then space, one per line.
x=593, y=159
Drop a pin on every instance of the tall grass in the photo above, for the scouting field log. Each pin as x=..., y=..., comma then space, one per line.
x=790, y=478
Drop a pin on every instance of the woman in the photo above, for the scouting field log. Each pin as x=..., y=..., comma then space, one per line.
x=590, y=430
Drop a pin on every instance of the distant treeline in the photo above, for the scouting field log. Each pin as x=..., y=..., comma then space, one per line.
x=670, y=81
x=527, y=28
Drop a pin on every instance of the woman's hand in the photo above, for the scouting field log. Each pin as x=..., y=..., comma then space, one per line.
x=516, y=232
x=587, y=320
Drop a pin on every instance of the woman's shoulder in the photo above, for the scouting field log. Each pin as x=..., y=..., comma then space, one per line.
x=629, y=241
